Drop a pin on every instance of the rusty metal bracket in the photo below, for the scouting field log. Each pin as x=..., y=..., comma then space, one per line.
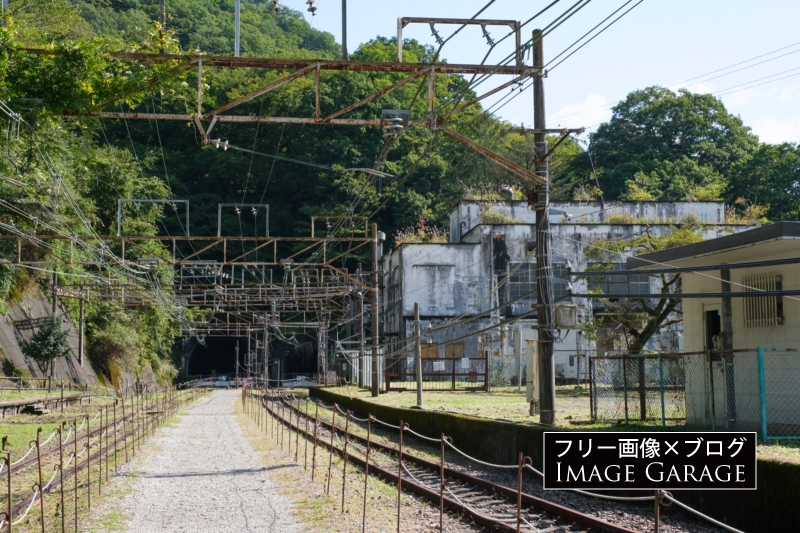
x=512, y=167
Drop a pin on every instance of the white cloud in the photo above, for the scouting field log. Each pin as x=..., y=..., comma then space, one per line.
x=593, y=110
x=773, y=130
x=789, y=93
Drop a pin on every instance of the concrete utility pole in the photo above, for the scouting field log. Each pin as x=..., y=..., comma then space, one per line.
x=80, y=327
x=544, y=270
x=362, y=342
x=55, y=308
x=345, y=55
x=163, y=29
x=417, y=354
x=266, y=350
x=236, y=31
x=237, y=360
x=375, y=310
x=5, y=6
x=249, y=354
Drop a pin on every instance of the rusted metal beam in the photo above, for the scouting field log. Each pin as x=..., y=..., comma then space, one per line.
x=512, y=167
x=295, y=64
x=227, y=118
x=200, y=251
x=534, y=131
x=375, y=95
x=267, y=88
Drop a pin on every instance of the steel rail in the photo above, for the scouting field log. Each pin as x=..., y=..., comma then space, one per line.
x=511, y=494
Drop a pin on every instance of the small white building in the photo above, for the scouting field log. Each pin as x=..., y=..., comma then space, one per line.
x=725, y=333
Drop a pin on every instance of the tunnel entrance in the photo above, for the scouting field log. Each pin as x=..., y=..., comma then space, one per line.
x=217, y=356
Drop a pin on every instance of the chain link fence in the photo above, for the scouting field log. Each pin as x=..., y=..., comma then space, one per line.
x=737, y=390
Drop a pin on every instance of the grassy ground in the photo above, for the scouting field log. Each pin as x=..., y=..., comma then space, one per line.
x=22, y=429
x=320, y=512
x=504, y=403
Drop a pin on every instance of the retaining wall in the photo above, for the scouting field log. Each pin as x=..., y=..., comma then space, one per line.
x=770, y=509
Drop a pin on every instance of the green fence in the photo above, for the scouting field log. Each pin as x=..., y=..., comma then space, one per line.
x=738, y=390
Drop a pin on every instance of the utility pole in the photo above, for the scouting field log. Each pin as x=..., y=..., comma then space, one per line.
x=55, y=308
x=80, y=327
x=266, y=350
x=345, y=55
x=163, y=24
x=237, y=31
x=249, y=353
x=375, y=309
x=5, y=6
x=418, y=354
x=237, y=360
x=362, y=341
x=544, y=270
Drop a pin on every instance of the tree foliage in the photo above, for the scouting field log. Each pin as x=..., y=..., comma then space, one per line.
x=642, y=318
x=47, y=344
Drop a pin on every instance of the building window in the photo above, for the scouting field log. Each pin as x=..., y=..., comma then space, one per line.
x=763, y=311
x=611, y=283
x=454, y=350
x=522, y=281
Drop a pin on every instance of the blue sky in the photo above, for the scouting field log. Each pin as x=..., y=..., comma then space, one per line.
x=660, y=42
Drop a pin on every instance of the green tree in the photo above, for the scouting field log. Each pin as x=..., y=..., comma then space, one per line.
x=688, y=140
x=47, y=344
x=771, y=178
x=642, y=318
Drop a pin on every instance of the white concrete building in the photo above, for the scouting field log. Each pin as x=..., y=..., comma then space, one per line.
x=486, y=265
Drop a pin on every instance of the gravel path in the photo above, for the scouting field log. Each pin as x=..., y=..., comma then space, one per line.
x=204, y=476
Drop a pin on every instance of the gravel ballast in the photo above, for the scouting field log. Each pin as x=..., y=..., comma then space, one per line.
x=201, y=474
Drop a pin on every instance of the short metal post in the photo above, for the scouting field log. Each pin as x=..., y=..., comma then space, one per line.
x=762, y=392
x=75, y=470
x=305, y=453
x=625, y=384
x=344, y=469
x=124, y=431
x=88, y=462
x=657, y=509
x=399, y=474
x=61, y=469
x=366, y=475
x=116, y=445
x=661, y=387
x=106, y=432
x=297, y=435
x=314, y=452
x=41, y=481
x=711, y=388
x=519, y=493
x=8, y=492
x=330, y=451
x=441, y=483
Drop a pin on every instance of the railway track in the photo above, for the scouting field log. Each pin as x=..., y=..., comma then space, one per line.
x=488, y=504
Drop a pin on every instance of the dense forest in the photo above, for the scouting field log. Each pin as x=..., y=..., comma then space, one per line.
x=658, y=145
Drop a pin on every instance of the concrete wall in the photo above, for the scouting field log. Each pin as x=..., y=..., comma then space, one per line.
x=16, y=326
x=466, y=214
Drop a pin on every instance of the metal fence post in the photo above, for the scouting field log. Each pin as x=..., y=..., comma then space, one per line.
x=9, y=494
x=762, y=390
x=41, y=481
x=661, y=387
x=366, y=475
x=330, y=452
x=399, y=474
x=625, y=384
x=711, y=388
x=314, y=450
x=344, y=468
